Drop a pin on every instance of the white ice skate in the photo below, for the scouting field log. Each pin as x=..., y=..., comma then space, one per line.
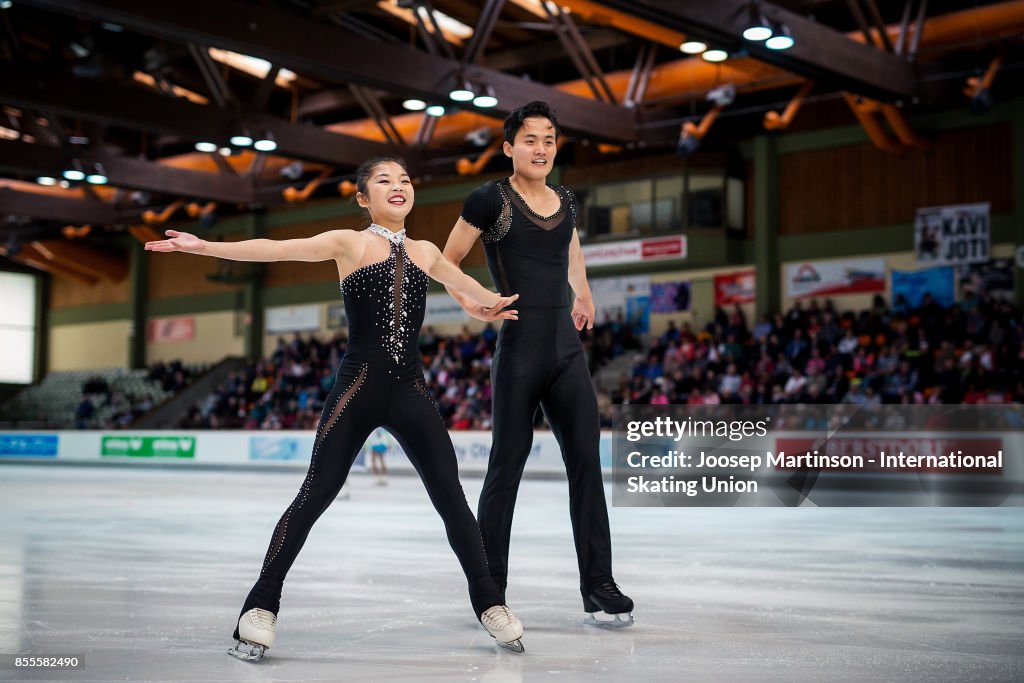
x=255, y=635
x=504, y=627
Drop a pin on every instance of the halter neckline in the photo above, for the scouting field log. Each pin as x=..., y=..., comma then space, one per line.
x=393, y=237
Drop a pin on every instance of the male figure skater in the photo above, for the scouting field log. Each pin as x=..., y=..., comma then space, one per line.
x=529, y=233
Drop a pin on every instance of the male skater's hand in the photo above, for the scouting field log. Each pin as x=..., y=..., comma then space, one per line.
x=583, y=313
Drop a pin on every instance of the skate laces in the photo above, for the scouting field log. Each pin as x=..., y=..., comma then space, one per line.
x=499, y=616
x=262, y=618
x=608, y=588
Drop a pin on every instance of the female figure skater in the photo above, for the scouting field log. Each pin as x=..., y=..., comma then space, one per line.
x=379, y=383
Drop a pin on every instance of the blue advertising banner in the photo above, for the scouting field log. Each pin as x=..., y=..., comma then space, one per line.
x=28, y=445
x=938, y=282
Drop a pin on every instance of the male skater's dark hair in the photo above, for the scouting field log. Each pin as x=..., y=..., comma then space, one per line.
x=536, y=108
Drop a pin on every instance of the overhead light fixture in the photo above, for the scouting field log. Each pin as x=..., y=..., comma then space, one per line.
x=414, y=105
x=5, y=4
x=206, y=146
x=782, y=40
x=715, y=55
x=75, y=172
x=242, y=138
x=693, y=47
x=758, y=29
x=266, y=144
x=65, y=184
x=487, y=99
x=98, y=176
x=46, y=180
x=462, y=93
x=224, y=151
x=435, y=110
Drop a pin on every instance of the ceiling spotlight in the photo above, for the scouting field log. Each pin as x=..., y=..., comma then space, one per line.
x=266, y=144
x=224, y=151
x=781, y=40
x=758, y=29
x=98, y=176
x=715, y=55
x=206, y=146
x=5, y=4
x=487, y=99
x=75, y=172
x=693, y=47
x=462, y=93
x=242, y=138
x=46, y=180
x=435, y=110
x=65, y=184
x=414, y=105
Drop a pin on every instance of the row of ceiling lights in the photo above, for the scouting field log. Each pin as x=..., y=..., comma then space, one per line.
x=760, y=29
x=482, y=97
x=76, y=172
x=241, y=139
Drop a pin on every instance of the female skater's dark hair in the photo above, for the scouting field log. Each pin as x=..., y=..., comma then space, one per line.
x=536, y=108
x=366, y=169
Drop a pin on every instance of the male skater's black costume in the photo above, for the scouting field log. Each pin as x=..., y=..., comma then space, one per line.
x=540, y=361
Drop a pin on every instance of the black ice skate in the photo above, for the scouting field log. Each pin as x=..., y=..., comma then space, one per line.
x=606, y=606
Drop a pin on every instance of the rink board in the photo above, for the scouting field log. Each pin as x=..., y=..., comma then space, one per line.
x=251, y=449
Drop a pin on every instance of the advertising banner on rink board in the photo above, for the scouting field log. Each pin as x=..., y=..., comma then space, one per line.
x=249, y=450
x=952, y=235
x=832, y=278
x=818, y=455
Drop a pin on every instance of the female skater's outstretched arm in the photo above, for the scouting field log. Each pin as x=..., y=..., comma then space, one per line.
x=330, y=245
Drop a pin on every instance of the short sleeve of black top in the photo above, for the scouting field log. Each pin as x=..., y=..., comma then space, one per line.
x=482, y=207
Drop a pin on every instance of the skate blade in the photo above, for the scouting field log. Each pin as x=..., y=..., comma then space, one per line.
x=623, y=620
x=247, y=652
x=515, y=646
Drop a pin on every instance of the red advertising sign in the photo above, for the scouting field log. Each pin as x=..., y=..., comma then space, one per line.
x=735, y=288
x=172, y=329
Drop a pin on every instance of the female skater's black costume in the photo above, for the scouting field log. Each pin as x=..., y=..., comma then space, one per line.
x=540, y=361
x=380, y=384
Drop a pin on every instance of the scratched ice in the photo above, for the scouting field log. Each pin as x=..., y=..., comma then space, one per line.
x=143, y=571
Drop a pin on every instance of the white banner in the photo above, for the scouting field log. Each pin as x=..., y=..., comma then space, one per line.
x=293, y=319
x=634, y=251
x=442, y=308
x=952, y=235
x=612, y=295
x=831, y=278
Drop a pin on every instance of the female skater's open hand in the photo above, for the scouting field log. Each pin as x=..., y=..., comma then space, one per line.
x=180, y=241
x=498, y=312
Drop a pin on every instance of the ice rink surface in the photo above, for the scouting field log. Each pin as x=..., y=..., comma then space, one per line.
x=142, y=572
